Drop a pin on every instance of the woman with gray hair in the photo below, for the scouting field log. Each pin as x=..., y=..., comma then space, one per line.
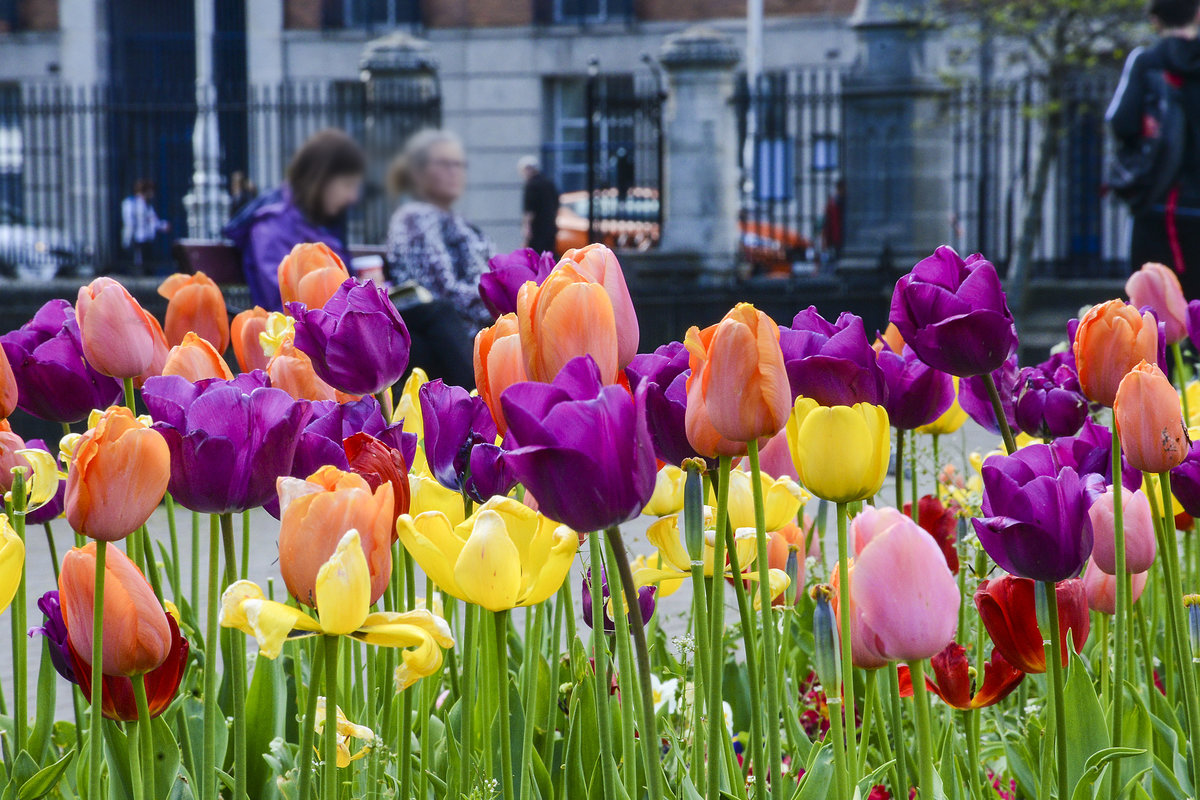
x=431, y=244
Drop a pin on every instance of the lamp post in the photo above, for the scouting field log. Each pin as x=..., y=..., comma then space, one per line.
x=207, y=204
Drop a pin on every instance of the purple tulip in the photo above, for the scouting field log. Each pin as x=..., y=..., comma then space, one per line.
x=54, y=628
x=664, y=373
x=582, y=448
x=53, y=509
x=357, y=341
x=1185, y=481
x=229, y=440
x=1036, y=522
x=1090, y=453
x=1193, y=322
x=974, y=398
x=954, y=314
x=833, y=363
x=1049, y=402
x=645, y=602
x=507, y=273
x=460, y=442
x=332, y=423
x=917, y=394
x=54, y=381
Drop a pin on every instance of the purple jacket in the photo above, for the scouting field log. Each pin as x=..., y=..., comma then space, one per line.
x=265, y=231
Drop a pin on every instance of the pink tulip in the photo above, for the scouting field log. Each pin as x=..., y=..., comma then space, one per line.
x=1139, y=532
x=1157, y=286
x=904, y=599
x=119, y=336
x=1101, y=588
x=599, y=264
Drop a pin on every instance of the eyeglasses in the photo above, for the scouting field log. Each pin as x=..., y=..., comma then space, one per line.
x=446, y=163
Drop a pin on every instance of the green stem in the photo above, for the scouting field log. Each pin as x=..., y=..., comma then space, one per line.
x=900, y=789
x=975, y=767
x=770, y=646
x=695, y=490
x=885, y=745
x=1123, y=594
x=1010, y=444
x=144, y=732
x=716, y=636
x=533, y=660
x=406, y=707
x=95, y=736
x=239, y=667
x=899, y=470
x=836, y=734
x=600, y=658
x=174, y=576
x=500, y=618
x=1054, y=663
x=195, y=595
x=1181, y=376
x=470, y=612
x=625, y=674
x=1175, y=613
x=212, y=706
x=245, y=544
x=329, y=740
x=847, y=650
x=924, y=737
x=757, y=738
x=868, y=719
x=20, y=639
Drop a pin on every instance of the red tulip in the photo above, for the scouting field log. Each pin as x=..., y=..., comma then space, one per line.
x=376, y=463
x=1009, y=613
x=953, y=682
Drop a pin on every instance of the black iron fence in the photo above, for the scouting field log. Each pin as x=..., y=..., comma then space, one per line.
x=794, y=147
x=70, y=155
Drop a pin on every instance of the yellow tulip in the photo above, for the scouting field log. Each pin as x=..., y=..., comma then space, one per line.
x=279, y=329
x=647, y=565
x=408, y=408
x=951, y=419
x=42, y=484
x=12, y=562
x=668, y=493
x=672, y=564
x=1192, y=392
x=782, y=500
x=343, y=594
x=840, y=452
x=426, y=494
x=346, y=730
x=503, y=556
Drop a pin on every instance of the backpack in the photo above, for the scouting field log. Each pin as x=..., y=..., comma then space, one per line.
x=1142, y=170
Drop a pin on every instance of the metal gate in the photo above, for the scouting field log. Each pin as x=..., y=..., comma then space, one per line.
x=624, y=141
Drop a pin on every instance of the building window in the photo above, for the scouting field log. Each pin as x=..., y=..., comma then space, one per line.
x=564, y=152
x=583, y=12
x=12, y=155
x=370, y=13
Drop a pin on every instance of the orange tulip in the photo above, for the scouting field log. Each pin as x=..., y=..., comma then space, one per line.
x=311, y=273
x=244, y=332
x=195, y=303
x=136, y=634
x=1149, y=421
x=1112, y=338
x=314, y=516
x=567, y=316
x=791, y=538
x=1157, y=286
x=738, y=377
x=196, y=359
x=292, y=370
x=8, y=387
x=892, y=338
x=119, y=336
x=117, y=477
x=499, y=363
x=597, y=263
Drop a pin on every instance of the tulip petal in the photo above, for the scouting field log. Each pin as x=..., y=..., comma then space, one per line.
x=273, y=623
x=489, y=567
x=430, y=539
x=343, y=587
x=12, y=562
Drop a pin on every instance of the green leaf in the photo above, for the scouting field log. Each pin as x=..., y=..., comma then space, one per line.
x=44, y=781
x=116, y=755
x=1086, y=725
x=47, y=690
x=818, y=780
x=1094, y=769
x=266, y=700
x=166, y=756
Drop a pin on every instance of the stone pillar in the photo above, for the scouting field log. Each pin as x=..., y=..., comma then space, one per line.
x=402, y=96
x=898, y=162
x=701, y=203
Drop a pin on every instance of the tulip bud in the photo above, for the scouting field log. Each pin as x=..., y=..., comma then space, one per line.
x=1192, y=603
x=310, y=274
x=826, y=644
x=793, y=573
x=1110, y=341
x=195, y=305
x=377, y=463
x=693, y=511
x=245, y=331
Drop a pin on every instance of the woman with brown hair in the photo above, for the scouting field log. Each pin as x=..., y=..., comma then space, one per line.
x=323, y=180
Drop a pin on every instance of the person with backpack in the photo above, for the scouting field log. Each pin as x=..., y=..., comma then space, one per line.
x=1155, y=117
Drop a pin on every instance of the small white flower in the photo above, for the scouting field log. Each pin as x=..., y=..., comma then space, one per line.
x=664, y=694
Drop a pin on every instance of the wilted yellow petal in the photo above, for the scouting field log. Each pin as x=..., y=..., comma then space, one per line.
x=644, y=567
x=343, y=588
x=550, y=574
x=273, y=623
x=42, y=485
x=233, y=614
x=280, y=329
